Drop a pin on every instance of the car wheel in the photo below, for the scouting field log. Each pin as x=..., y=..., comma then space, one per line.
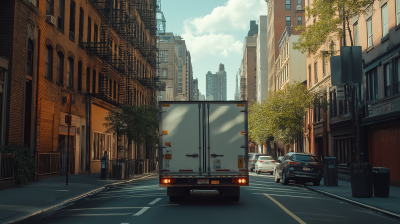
x=277, y=180
x=285, y=180
x=316, y=183
x=271, y=173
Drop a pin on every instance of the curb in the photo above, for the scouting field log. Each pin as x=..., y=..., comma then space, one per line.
x=376, y=209
x=76, y=198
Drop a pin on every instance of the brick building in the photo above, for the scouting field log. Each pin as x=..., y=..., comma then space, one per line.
x=85, y=49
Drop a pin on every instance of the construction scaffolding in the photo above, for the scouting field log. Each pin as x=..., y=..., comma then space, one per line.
x=135, y=23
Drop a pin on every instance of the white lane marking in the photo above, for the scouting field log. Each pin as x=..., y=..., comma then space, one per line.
x=141, y=211
x=155, y=201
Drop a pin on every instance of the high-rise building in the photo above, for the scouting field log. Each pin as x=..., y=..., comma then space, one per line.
x=248, y=66
x=281, y=14
x=237, y=93
x=184, y=70
x=216, y=84
x=168, y=69
x=195, y=92
x=262, y=59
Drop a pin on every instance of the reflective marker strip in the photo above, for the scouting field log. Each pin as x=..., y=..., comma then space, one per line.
x=286, y=210
x=223, y=170
x=141, y=211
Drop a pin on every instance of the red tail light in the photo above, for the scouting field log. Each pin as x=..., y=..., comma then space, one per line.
x=261, y=161
x=252, y=160
x=293, y=163
x=240, y=180
x=272, y=161
x=167, y=181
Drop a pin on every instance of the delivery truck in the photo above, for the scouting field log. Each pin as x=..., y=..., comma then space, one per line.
x=203, y=146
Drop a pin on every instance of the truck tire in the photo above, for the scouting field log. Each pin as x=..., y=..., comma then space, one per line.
x=285, y=180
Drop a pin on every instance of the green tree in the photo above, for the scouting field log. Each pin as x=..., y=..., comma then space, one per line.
x=141, y=123
x=331, y=18
x=281, y=115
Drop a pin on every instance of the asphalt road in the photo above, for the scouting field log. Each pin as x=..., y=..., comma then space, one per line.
x=262, y=202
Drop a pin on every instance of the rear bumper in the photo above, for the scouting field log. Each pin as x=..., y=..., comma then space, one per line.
x=213, y=183
x=305, y=176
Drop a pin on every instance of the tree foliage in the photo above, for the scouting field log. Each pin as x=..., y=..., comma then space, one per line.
x=280, y=115
x=328, y=16
x=141, y=121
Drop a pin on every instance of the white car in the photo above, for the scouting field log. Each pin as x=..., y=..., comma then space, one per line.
x=265, y=164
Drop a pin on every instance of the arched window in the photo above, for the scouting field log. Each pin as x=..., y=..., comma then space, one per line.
x=70, y=73
x=49, y=63
x=60, y=68
x=80, y=76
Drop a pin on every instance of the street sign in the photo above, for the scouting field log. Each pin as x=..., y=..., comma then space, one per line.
x=340, y=93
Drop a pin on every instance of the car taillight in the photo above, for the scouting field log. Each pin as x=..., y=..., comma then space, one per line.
x=272, y=161
x=293, y=163
x=252, y=160
x=261, y=161
x=167, y=181
x=240, y=180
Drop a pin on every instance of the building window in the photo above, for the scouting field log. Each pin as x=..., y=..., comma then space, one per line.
x=287, y=5
x=29, y=60
x=324, y=66
x=355, y=30
x=50, y=7
x=80, y=76
x=94, y=81
x=386, y=77
x=369, y=32
x=397, y=12
x=60, y=68
x=61, y=16
x=299, y=22
x=316, y=72
x=72, y=21
x=372, y=85
x=397, y=76
x=385, y=26
x=70, y=73
x=298, y=3
x=81, y=14
x=288, y=21
x=109, y=87
x=87, y=80
x=164, y=73
x=89, y=30
x=163, y=56
x=49, y=63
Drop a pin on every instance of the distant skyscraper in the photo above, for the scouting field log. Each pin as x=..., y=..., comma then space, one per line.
x=216, y=84
x=237, y=94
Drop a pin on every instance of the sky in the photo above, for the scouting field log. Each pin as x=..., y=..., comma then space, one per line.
x=214, y=31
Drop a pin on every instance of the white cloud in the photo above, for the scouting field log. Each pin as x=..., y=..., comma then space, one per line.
x=212, y=33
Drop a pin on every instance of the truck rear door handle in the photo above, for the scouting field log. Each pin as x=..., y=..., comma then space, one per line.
x=193, y=155
x=215, y=155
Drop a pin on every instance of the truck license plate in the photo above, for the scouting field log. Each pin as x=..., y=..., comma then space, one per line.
x=306, y=169
x=203, y=181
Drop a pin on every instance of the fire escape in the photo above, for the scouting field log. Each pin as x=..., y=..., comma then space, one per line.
x=130, y=20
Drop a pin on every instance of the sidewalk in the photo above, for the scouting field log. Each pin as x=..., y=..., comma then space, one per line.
x=27, y=200
x=390, y=204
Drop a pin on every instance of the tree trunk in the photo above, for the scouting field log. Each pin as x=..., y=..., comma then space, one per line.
x=348, y=28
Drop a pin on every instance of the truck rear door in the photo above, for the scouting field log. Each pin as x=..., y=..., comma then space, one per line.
x=226, y=138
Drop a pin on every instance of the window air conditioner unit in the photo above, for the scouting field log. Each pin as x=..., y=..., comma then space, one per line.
x=51, y=19
x=299, y=7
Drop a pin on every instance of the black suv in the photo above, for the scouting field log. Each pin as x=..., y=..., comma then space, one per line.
x=301, y=167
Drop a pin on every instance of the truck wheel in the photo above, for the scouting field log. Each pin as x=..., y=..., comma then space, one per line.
x=285, y=180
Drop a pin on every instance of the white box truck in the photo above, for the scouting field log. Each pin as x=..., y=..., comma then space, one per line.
x=203, y=146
